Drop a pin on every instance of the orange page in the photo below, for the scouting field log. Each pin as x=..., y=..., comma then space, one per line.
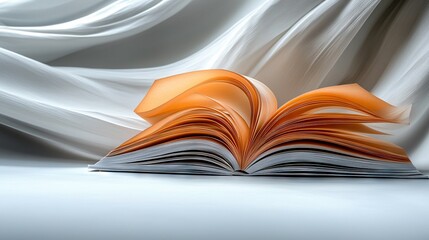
x=242, y=115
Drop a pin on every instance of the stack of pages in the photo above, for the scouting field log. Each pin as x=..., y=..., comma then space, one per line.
x=222, y=123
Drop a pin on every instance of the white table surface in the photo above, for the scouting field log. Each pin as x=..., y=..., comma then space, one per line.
x=62, y=200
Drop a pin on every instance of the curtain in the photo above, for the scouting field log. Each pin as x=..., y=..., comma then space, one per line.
x=72, y=72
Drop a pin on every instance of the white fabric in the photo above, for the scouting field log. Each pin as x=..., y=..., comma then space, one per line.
x=71, y=72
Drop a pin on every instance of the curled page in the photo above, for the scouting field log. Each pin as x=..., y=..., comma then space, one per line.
x=238, y=118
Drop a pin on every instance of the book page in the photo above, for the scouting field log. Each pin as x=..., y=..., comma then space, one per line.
x=211, y=104
x=336, y=116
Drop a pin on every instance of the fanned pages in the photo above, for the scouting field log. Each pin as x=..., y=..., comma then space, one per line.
x=220, y=122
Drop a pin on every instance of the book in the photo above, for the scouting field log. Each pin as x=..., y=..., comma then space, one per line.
x=219, y=122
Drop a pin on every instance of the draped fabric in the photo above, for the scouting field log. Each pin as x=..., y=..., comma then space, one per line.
x=72, y=72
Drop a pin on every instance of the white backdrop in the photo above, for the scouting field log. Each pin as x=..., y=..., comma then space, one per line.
x=71, y=72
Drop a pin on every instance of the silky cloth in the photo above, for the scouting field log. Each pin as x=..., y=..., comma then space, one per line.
x=72, y=72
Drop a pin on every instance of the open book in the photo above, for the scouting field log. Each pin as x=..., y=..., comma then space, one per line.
x=220, y=122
